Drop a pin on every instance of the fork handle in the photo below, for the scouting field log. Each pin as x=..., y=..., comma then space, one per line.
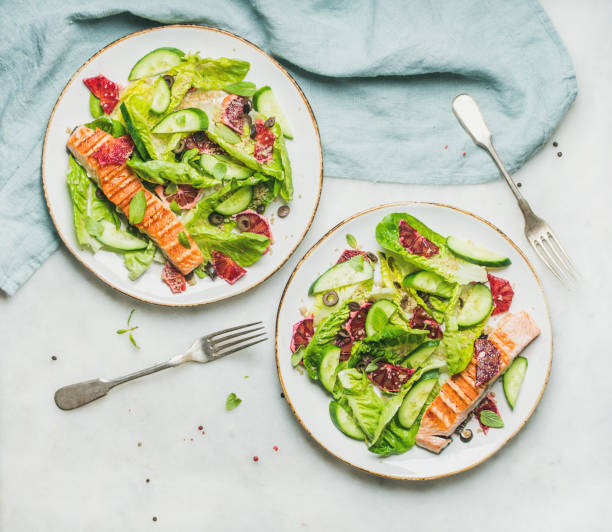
x=471, y=118
x=82, y=393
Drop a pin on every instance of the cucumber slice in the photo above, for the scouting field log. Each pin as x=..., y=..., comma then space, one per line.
x=513, y=379
x=161, y=97
x=468, y=250
x=327, y=368
x=118, y=239
x=418, y=357
x=155, y=62
x=237, y=202
x=355, y=270
x=183, y=121
x=476, y=307
x=133, y=132
x=429, y=282
x=414, y=401
x=379, y=315
x=344, y=422
x=234, y=170
x=267, y=104
x=226, y=134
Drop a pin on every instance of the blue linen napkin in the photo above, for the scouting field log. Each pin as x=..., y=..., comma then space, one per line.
x=380, y=77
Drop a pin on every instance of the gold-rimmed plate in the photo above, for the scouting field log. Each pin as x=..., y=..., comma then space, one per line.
x=310, y=403
x=115, y=62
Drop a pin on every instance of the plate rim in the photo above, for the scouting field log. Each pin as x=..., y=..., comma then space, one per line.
x=282, y=69
x=327, y=235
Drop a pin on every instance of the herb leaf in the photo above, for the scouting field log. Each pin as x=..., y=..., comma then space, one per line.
x=137, y=208
x=491, y=419
x=371, y=367
x=134, y=341
x=130, y=316
x=232, y=401
x=95, y=108
x=296, y=357
x=241, y=88
x=171, y=188
x=184, y=240
x=219, y=170
x=351, y=241
x=174, y=207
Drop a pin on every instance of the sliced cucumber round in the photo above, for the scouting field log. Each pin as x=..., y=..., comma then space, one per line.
x=379, y=315
x=267, y=104
x=476, y=307
x=234, y=170
x=418, y=357
x=237, y=202
x=119, y=240
x=344, y=422
x=161, y=97
x=429, y=282
x=468, y=250
x=513, y=379
x=413, y=402
x=183, y=121
x=327, y=368
x=156, y=62
x=355, y=270
x=226, y=134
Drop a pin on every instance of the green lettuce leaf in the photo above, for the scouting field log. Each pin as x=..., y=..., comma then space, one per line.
x=444, y=263
x=366, y=407
x=86, y=204
x=138, y=262
x=392, y=343
x=323, y=335
x=160, y=172
x=244, y=248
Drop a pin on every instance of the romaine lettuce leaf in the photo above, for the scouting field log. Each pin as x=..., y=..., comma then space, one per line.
x=138, y=262
x=366, y=407
x=244, y=248
x=323, y=335
x=444, y=263
x=160, y=172
x=391, y=343
x=86, y=203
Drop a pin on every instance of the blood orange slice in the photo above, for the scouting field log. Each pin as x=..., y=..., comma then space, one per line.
x=226, y=268
x=173, y=278
x=233, y=112
x=115, y=151
x=186, y=196
x=251, y=222
x=502, y=294
x=105, y=90
x=389, y=377
x=302, y=333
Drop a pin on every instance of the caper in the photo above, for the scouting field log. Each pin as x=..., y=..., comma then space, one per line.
x=270, y=122
x=253, y=131
x=466, y=435
x=283, y=211
x=354, y=306
x=260, y=208
x=215, y=218
x=397, y=285
x=246, y=108
x=390, y=262
x=330, y=298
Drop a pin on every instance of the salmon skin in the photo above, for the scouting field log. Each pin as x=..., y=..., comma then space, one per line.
x=120, y=184
x=459, y=395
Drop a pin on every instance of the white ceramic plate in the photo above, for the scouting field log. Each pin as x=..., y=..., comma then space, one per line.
x=115, y=61
x=310, y=403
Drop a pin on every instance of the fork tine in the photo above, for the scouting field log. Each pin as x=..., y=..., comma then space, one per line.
x=562, y=264
x=539, y=250
x=219, y=348
x=231, y=329
x=241, y=347
x=239, y=333
x=574, y=271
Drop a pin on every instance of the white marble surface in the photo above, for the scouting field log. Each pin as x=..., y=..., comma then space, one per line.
x=84, y=470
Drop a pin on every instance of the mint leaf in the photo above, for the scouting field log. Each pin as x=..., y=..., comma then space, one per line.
x=95, y=108
x=130, y=316
x=134, y=341
x=174, y=207
x=137, y=208
x=241, y=88
x=232, y=401
x=171, y=189
x=491, y=419
x=184, y=240
x=351, y=241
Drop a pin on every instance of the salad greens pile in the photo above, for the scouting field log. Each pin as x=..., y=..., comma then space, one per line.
x=207, y=142
x=383, y=346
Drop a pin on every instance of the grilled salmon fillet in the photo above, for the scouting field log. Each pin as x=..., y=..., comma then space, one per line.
x=459, y=395
x=120, y=184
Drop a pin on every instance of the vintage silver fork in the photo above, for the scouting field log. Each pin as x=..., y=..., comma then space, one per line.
x=206, y=349
x=537, y=231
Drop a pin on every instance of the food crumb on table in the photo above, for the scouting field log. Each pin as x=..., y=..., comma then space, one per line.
x=256, y=459
x=53, y=357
